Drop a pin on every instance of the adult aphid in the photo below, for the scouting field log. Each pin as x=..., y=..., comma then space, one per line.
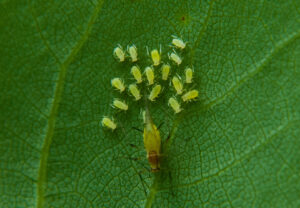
x=135, y=91
x=177, y=85
x=120, y=104
x=155, y=55
x=175, y=105
x=190, y=95
x=150, y=75
x=132, y=50
x=135, y=71
x=175, y=58
x=178, y=43
x=165, y=70
x=119, y=53
x=188, y=75
x=118, y=84
x=109, y=123
x=154, y=92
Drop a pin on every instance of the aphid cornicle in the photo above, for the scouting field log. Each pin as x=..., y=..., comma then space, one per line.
x=178, y=43
x=132, y=50
x=118, y=84
x=109, y=123
x=177, y=85
x=119, y=53
x=175, y=58
x=135, y=91
x=135, y=71
x=152, y=142
x=174, y=104
x=120, y=105
x=188, y=75
x=165, y=70
x=150, y=75
x=155, y=55
x=190, y=95
x=154, y=92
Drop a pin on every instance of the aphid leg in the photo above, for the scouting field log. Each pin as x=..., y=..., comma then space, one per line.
x=135, y=128
x=160, y=125
x=140, y=176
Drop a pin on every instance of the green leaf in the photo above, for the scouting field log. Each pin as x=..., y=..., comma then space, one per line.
x=237, y=146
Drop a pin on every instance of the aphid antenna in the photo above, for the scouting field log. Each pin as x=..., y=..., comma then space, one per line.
x=135, y=128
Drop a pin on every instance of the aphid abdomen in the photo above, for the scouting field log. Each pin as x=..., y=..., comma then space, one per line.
x=153, y=158
x=132, y=50
x=177, y=85
x=155, y=57
x=120, y=104
x=107, y=122
x=135, y=91
x=135, y=71
x=118, y=84
x=165, y=70
x=190, y=95
x=119, y=53
x=175, y=58
x=178, y=43
x=154, y=92
x=150, y=75
x=174, y=105
x=188, y=75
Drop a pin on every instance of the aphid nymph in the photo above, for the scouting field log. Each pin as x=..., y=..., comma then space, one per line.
x=150, y=75
x=135, y=91
x=165, y=70
x=178, y=43
x=119, y=53
x=155, y=55
x=132, y=50
x=188, y=75
x=177, y=85
x=154, y=92
x=120, y=105
x=190, y=95
x=175, y=58
x=109, y=123
x=174, y=104
x=135, y=71
x=118, y=84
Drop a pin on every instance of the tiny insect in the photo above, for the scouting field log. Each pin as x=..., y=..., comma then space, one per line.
x=190, y=95
x=178, y=43
x=135, y=91
x=188, y=75
x=155, y=55
x=152, y=142
x=150, y=75
x=165, y=70
x=109, y=123
x=177, y=85
x=120, y=105
x=154, y=92
x=118, y=84
x=119, y=53
x=135, y=71
x=132, y=50
x=175, y=105
x=175, y=58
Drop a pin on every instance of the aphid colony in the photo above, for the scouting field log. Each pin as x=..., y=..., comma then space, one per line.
x=150, y=77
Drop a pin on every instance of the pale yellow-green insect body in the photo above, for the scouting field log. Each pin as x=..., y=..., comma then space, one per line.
x=132, y=50
x=135, y=71
x=119, y=53
x=135, y=91
x=109, y=123
x=188, y=75
x=118, y=84
x=155, y=57
x=154, y=92
x=178, y=43
x=165, y=70
x=190, y=95
x=120, y=104
x=150, y=75
x=177, y=85
x=175, y=58
x=175, y=105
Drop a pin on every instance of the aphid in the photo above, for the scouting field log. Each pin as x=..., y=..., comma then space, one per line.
x=135, y=91
x=118, y=83
x=165, y=70
x=135, y=71
x=188, y=75
x=175, y=58
x=120, y=104
x=155, y=55
x=190, y=95
x=152, y=142
x=119, y=53
x=132, y=50
x=150, y=75
x=177, y=85
x=174, y=104
x=107, y=122
x=178, y=43
x=154, y=92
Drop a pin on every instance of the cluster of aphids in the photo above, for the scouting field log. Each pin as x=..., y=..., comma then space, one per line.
x=150, y=74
